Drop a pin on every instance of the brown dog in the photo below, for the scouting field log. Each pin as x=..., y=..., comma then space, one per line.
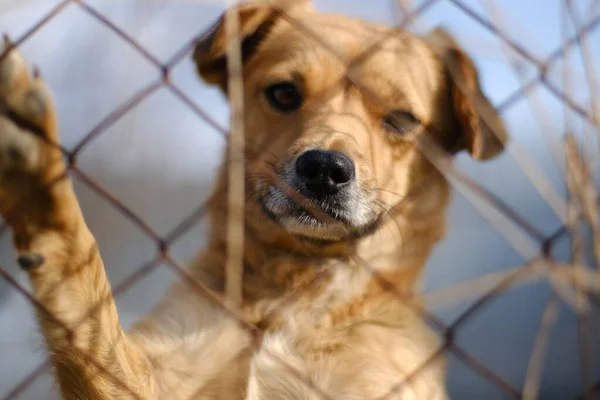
x=343, y=209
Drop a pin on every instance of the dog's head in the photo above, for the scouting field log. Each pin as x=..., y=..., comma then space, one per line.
x=336, y=111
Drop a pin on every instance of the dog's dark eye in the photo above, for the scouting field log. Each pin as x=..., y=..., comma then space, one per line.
x=284, y=96
x=401, y=122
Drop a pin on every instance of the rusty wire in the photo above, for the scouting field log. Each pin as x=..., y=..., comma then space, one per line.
x=540, y=262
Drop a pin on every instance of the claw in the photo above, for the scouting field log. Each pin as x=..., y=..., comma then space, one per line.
x=36, y=72
x=30, y=261
x=7, y=41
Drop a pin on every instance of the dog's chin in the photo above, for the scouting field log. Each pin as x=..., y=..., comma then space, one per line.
x=334, y=226
x=305, y=227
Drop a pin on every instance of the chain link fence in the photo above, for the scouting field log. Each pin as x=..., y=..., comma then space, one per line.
x=571, y=274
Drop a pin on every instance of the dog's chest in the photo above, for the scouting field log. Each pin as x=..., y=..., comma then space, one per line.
x=324, y=308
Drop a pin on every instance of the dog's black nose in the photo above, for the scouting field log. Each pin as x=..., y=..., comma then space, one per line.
x=324, y=172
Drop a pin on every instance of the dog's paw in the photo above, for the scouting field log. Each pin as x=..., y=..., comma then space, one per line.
x=31, y=162
x=26, y=117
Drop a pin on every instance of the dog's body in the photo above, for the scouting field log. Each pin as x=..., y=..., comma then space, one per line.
x=330, y=267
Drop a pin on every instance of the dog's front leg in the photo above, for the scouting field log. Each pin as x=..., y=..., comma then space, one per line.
x=93, y=357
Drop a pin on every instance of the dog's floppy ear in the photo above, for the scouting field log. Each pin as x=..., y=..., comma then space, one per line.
x=256, y=20
x=482, y=132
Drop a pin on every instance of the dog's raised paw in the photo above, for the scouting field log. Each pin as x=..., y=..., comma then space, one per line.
x=25, y=110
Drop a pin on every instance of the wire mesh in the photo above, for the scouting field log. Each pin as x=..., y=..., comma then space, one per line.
x=572, y=282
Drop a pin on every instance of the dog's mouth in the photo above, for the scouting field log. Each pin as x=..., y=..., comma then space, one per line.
x=321, y=221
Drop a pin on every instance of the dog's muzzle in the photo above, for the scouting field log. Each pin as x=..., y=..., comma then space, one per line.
x=326, y=182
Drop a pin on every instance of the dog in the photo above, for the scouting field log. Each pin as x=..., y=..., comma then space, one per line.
x=343, y=206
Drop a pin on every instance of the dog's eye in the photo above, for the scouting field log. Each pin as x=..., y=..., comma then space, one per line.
x=284, y=96
x=400, y=121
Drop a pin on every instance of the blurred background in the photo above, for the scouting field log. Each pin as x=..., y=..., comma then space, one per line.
x=159, y=160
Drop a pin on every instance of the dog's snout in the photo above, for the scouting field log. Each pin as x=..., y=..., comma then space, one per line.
x=324, y=172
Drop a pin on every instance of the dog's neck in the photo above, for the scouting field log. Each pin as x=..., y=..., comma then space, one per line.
x=276, y=263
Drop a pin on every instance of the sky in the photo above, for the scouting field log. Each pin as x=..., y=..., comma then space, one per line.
x=159, y=160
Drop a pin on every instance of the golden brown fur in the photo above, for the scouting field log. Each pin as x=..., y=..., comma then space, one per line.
x=332, y=298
